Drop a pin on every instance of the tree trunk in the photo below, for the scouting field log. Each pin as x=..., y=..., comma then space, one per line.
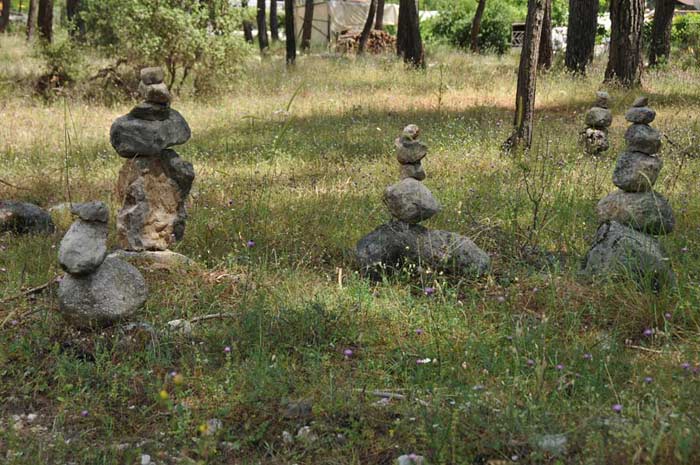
x=527, y=77
x=307, y=26
x=247, y=25
x=368, y=27
x=45, y=19
x=32, y=18
x=274, y=23
x=546, y=53
x=408, y=41
x=476, y=26
x=262, y=27
x=379, y=23
x=625, y=58
x=291, y=40
x=5, y=16
x=581, y=32
x=660, y=47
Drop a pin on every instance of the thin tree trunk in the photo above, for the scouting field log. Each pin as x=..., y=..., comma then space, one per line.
x=368, y=27
x=527, y=77
x=546, y=53
x=289, y=32
x=476, y=26
x=247, y=25
x=581, y=32
x=5, y=16
x=262, y=27
x=660, y=47
x=45, y=19
x=625, y=58
x=307, y=26
x=408, y=40
x=274, y=23
x=379, y=23
x=32, y=18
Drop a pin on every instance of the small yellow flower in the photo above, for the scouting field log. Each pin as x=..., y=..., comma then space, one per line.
x=202, y=428
x=163, y=394
x=178, y=379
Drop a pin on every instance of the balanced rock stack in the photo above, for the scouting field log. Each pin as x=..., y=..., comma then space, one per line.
x=635, y=213
x=96, y=290
x=154, y=182
x=403, y=239
x=598, y=120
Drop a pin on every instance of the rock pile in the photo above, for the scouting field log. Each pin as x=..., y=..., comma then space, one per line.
x=96, y=290
x=24, y=218
x=598, y=120
x=154, y=182
x=635, y=213
x=403, y=239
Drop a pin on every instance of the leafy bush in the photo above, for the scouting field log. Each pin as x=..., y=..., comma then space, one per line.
x=685, y=33
x=63, y=63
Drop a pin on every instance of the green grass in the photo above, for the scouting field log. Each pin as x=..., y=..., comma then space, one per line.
x=305, y=186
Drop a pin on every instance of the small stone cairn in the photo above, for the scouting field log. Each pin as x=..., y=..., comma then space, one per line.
x=598, y=120
x=403, y=239
x=97, y=290
x=154, y=182
x=631, y=216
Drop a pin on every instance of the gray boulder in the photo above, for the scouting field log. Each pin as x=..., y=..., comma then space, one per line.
x=388, y=246
x=636, y=171
x=84, y=247
x=91, y=211
x=155, y=93
x=409, y=150
x=643, y=138
x=413, y=170
x=452, y=253
x=24, y=218
x=619, y=251
x=602, y=99
x=114, y=292
x=132, y=136
x=595, y=141
x=152, y=75
x=648, y=212
x=599, y=118
x=410, y=201
x=640, y=115
x=150, y=111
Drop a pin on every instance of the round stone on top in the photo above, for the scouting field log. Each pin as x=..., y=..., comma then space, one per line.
x=641, y=102
x=411, y=131
x=602, y=99
x=152, y=75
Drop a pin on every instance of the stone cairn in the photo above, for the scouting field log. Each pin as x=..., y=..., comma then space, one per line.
x=598, y=120
x=635, y=213
x=154, y=182
x=403, y=239
x=97, y=290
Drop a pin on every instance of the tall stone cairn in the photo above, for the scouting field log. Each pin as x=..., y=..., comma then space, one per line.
x=154, y=182
x=635, y=213
x=598, y=120
x=403, y=240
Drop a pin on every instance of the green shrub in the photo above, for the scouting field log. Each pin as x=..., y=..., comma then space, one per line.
x=685, y=33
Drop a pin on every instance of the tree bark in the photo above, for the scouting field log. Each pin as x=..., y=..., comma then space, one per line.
x=247, y=25
x=368, y=27
x=527, y=77
x=581, y=32
x=307, y=26
x=544, y=62
x=408, y=40
x=5, y=16
x=660, y=47
x=45, y=19
x=625, y=58
x=379, y=23
x=274, y=23
x=476, y=26
x=289, y=32
x=32, y=18
x=262, y=27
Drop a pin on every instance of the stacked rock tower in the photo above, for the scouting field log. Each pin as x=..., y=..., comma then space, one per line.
x=97, y=290
x=598, y=120
x=154, y=182
x=403, y=239
x=635, y=213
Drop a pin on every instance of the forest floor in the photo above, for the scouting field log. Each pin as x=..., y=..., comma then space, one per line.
x=525, y=365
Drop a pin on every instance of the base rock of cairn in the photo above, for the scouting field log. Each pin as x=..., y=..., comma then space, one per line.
x=598, y=120
x=403, y=240
x=154, y=182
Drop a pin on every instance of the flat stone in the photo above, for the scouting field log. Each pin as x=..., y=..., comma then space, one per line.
x=413, y=170
x=410, y=151
x=598, y=118
x=636, y=171
x=131, y=136
x=622, y=252
x=410, y=201
x=452, y=253
x=91, y=211
x=155, y=93
x=643, y=138
x=152, y=75
x=84, y=247
x=24, y=218
x=640, y=115
x=648, y=212
x=602, y=99
x=150, y=111
x=115, y=291
x=641, y=102
x=163, y=258
x=595, y=141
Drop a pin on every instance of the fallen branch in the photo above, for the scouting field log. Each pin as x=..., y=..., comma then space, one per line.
x=34, y=290
x=2, y=181
x=653, y=351
x=213, y=316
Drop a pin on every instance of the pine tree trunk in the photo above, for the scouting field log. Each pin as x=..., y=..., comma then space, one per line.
x=408, y=41
x=247, y=25
x=274, y=23
x=476, y=26
x=527, y=77
x=45, y=19
x=581, y=32
x=262, y=27
x=307, y=26
x=660, y=47
x=379, y=23
x=289, y=32
x=625, y=58
x=368, y=27
x=32, y=18
x=546, y=53
x=5, y=16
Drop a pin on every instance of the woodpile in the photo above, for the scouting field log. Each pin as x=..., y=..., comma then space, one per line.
x=378, y=42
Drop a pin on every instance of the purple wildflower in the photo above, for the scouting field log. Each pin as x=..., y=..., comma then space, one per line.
x=648, y=332
x=668, y=315
x=648, y=379
x=559, y=367
x=348, y=353
x=250, y=244
x=617, y=408
x=419, y=332
x=685, y=365
x=423, y=361
x=227, y=350
x=530, y=362
x=429, y=291
x=587, y=356
x=84, y=413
